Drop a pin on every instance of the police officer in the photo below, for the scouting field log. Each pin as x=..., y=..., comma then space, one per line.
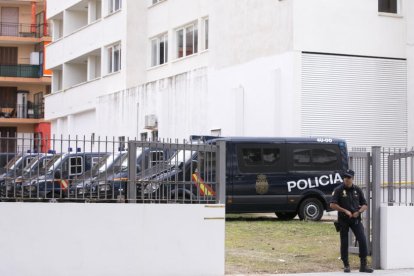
x=348, y=199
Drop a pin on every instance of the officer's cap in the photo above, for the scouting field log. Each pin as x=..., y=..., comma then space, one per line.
x=349, y=173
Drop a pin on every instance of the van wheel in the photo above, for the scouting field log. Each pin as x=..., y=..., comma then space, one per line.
x=286, y=215
x=311, y=209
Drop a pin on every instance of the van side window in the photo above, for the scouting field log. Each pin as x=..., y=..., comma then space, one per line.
x=259, y=158
x=271, y=156
x=252, y=157
x=315, y=158
x=75, y=165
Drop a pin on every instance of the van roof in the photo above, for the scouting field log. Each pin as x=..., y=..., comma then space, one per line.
x=318, y=140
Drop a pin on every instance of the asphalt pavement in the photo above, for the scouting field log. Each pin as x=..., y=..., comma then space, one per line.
x=396, y=272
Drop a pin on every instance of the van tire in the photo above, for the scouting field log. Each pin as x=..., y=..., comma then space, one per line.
x=311, y=209
x=286, y=215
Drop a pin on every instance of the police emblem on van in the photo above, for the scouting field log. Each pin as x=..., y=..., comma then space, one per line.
x=262, y=186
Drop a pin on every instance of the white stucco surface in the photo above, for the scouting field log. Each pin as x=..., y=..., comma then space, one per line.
x=111, y=239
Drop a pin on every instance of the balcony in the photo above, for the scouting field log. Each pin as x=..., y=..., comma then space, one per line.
x=23, y=30
x=22, y=111
x=21, y=71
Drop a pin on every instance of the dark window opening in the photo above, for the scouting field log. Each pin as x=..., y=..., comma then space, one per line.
x=259, y=159
x=388, y=6
x=315, y=158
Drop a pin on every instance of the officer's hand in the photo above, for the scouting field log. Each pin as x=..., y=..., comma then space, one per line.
x=355, y=215
x=348, y=213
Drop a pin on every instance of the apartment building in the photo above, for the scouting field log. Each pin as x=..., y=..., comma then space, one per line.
x=23, y=79
x=172, y=68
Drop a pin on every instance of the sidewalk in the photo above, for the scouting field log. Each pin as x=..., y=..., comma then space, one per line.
x=396, y=272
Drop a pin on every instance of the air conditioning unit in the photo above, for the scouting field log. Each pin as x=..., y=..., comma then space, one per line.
x=151, y=121
x=34, y=58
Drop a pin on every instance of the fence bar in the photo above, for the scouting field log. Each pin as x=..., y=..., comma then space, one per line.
x=132, y=172
x=375, y=207
x=221, y=172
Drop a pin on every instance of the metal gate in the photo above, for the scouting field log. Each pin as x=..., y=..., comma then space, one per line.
x=386, y=175
x=360, y=162
x=367, y=167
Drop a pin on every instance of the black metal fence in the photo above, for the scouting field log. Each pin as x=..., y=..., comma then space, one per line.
x=113, y=170
x=397, y=174
x=28, y=110
x=23, y=30
x=21, y=71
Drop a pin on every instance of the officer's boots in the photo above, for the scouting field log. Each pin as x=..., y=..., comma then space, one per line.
x=364, y=267
x=347, y=268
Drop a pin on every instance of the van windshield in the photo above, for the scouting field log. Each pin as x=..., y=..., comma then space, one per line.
x=182, y=156
x=54, y=163
x=12, y=163
x=37, y=165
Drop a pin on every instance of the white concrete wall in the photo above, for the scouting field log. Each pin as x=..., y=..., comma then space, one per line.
x=409, y=11
x=94, y=36
x=347, y=27
x=136, y=42
x=111, y=239
x=253, y=99
x=397, y=241
x=80, y=98
x=74, y=74
x=74, y=20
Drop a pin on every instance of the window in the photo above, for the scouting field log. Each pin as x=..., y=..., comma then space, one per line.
x=388, y=6
x=205, y=25
x=95, y=160
x=75, y=165
x=315, y=158
x=28, y=160
x=159, y=50
x=121, y=143
x=114, y=58
x=114, y=5
x=156, y=157
x=187, y=40
x=154, y=135
x=259, y=158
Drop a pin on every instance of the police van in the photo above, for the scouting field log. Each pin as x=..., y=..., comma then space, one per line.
x=288, y=176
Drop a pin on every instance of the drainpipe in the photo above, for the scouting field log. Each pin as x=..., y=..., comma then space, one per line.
x=45, y=24
x=33, y=21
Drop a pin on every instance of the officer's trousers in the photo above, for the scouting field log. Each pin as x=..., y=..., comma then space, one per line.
x=358, y=230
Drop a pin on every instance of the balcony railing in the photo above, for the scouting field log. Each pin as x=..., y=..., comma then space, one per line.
x=29, y=111
x=21, y=71
x=23, y=30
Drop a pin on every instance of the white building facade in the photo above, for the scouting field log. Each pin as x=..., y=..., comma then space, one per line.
x=172, y=68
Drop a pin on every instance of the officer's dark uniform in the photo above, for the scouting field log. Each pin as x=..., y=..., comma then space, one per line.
x=351, y=199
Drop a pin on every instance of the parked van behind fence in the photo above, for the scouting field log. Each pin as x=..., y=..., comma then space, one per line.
x=288, y=176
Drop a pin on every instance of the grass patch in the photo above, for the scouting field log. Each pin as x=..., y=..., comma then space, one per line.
x=268, y=245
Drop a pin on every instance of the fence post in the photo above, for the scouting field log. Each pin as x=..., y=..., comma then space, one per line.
x=375, y=207
x=221, y=172
x=390, y=185
x=132, y=172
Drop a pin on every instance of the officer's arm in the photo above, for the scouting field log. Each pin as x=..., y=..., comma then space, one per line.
x=340, y=209
x=362, y=202
x=363, y=208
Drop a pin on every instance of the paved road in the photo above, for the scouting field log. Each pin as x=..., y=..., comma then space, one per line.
x=396, y=272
